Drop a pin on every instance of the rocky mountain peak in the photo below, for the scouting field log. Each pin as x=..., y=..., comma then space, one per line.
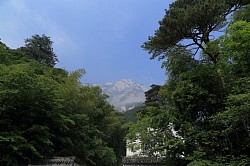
x=124, y=94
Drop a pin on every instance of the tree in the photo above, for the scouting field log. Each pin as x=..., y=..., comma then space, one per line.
x=191, y=95
x=198, y=126
x=3, y=46
x=209, y=128
x=232, y=125
x=152, y=96
x=95, y=137
x=145, y=135
x=47, y=112
x=30, y=111
x=131, y=115
x=194, y=21
x=242, y=15
x=191, y=24
x=237, y=46
x=40, y=48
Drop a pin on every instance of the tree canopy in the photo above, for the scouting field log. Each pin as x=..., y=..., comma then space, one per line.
x=40, y=48
x=47, y=112
x=198, y=123
x=192, y=20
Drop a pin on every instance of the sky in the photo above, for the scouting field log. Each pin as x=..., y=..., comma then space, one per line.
x=102, y=36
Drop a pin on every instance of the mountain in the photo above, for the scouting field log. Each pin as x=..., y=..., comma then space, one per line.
x=125, y=94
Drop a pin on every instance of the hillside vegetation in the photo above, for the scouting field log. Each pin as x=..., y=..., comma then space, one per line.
x=46, y=111
x=200, y=116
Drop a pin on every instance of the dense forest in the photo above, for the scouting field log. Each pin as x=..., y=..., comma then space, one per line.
x=201, y=115
x=46, y=111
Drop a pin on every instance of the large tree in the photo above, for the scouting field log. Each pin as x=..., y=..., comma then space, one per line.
x=192, y=24
x=202, y=125
x=192, y=20
x=40, y=48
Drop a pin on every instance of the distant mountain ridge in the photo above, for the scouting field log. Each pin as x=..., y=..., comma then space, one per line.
x=125, y=94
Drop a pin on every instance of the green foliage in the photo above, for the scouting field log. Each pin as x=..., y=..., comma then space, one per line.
x=40, y=48
x=190, y=20
x=204, y=114
x=9, y=57
x=242, y=15
x=149, y=138
x=47, y=112
x=237, y=47
x=204, y=163
x=28, y=107
x=131, y=115
x=152, y=96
